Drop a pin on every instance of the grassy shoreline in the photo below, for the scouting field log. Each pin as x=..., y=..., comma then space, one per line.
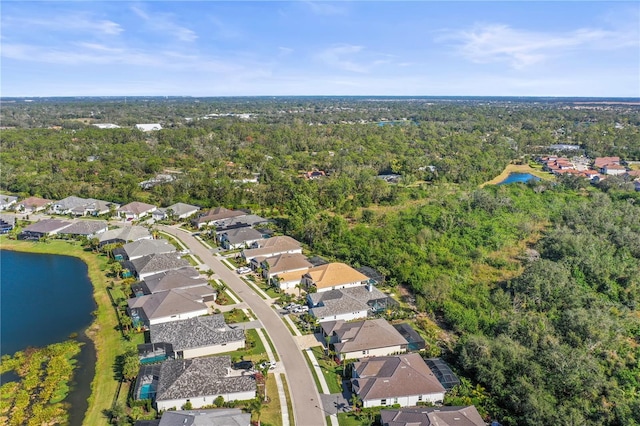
x=518, y=168
x=103, y=331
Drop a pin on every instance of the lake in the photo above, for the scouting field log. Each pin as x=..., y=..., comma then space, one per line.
x=46, y=298
x=518, y=177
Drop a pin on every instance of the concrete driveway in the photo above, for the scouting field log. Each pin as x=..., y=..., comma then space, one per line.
x=302, y=389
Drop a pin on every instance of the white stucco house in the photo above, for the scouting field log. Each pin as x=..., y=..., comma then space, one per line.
x=405, y=380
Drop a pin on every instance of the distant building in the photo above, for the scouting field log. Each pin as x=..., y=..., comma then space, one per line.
x=106, y=126
x=149, y=127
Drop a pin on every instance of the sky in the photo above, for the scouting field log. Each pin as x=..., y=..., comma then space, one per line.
x=267, y=48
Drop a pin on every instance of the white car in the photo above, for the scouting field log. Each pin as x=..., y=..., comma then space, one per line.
x=269, y=364
x=243, y=270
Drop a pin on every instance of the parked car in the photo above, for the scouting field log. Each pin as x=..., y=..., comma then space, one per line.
x=243, y=365
x=243, y=270
x=300, y=309
x=267, y=364
x=291, y=306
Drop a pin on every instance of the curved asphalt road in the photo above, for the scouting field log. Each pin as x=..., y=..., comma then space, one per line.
x=302, y=388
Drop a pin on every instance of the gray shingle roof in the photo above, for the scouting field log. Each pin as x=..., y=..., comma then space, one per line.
x=141, y=248
x=155, y=263
x=195, y=332
x=364, y=335
x=214, y=417
x=432, y=416
x=137, y=208
x=217, y=214
x=179, y=278
x=86, y=227
x=71, y=202
x=272, y=246
x=125, y=234
x=190, y=378
x=47, y=225
x=182, y=208
x=240, y=235
x=346, y=300
x=165, y=304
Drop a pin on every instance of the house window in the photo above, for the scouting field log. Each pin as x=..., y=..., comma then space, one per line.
x=419, y=397
x=383, y=402
x=364, y=352
x=395, y=400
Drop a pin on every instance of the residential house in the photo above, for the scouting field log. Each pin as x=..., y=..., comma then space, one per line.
x=32, y=205
x=187, y=279
x=248, y=220
x=77, y=206
x=136, y=210
x=272, y=247
x=348, y=303
x=70, y=205
x=210, y=417
x=613, y=170
x=182, y=210
x=333, y=276
x=199, y=381
x=239, y=238
x=600, y=162
x=432, y=416
x=149, y=127
x=7, y=223
x=124, y=235
x=6, y=201
x=198, y=336
x=106, y=126
x=218, y=214
x=86, y=228
x=157, y=180
x=401, y=379
x=362, y=339
x=100, y=207
x=44, y=228
x=166, y=306
x=272, y=267
x=140, y=248
x=151, y=264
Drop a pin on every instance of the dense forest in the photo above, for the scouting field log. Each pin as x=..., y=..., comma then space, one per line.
x=535, y=286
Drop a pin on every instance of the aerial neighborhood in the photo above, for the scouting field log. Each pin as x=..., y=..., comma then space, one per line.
x=189, y=358
x=203, y=345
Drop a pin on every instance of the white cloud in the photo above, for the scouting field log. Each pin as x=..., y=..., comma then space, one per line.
x=343, y=57
x=520, y=48
x=75, y=22
x=163, y=23
x=325, y=8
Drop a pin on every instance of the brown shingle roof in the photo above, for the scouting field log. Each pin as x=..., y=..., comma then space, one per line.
x=394, y=376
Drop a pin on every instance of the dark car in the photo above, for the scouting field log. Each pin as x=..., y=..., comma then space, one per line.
x=243, y=365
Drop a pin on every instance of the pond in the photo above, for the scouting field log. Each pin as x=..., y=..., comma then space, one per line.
x=45, y=299
x=518, y=177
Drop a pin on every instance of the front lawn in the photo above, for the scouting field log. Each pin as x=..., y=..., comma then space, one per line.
x=331, y=371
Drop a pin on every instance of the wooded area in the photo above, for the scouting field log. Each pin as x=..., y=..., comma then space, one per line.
x=537, y=285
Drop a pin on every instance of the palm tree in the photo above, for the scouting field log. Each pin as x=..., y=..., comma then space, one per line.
x=126, y=322
x=355, y=401
x=255, y=406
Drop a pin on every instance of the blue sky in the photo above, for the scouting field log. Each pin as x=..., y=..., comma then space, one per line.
x=215, y=48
